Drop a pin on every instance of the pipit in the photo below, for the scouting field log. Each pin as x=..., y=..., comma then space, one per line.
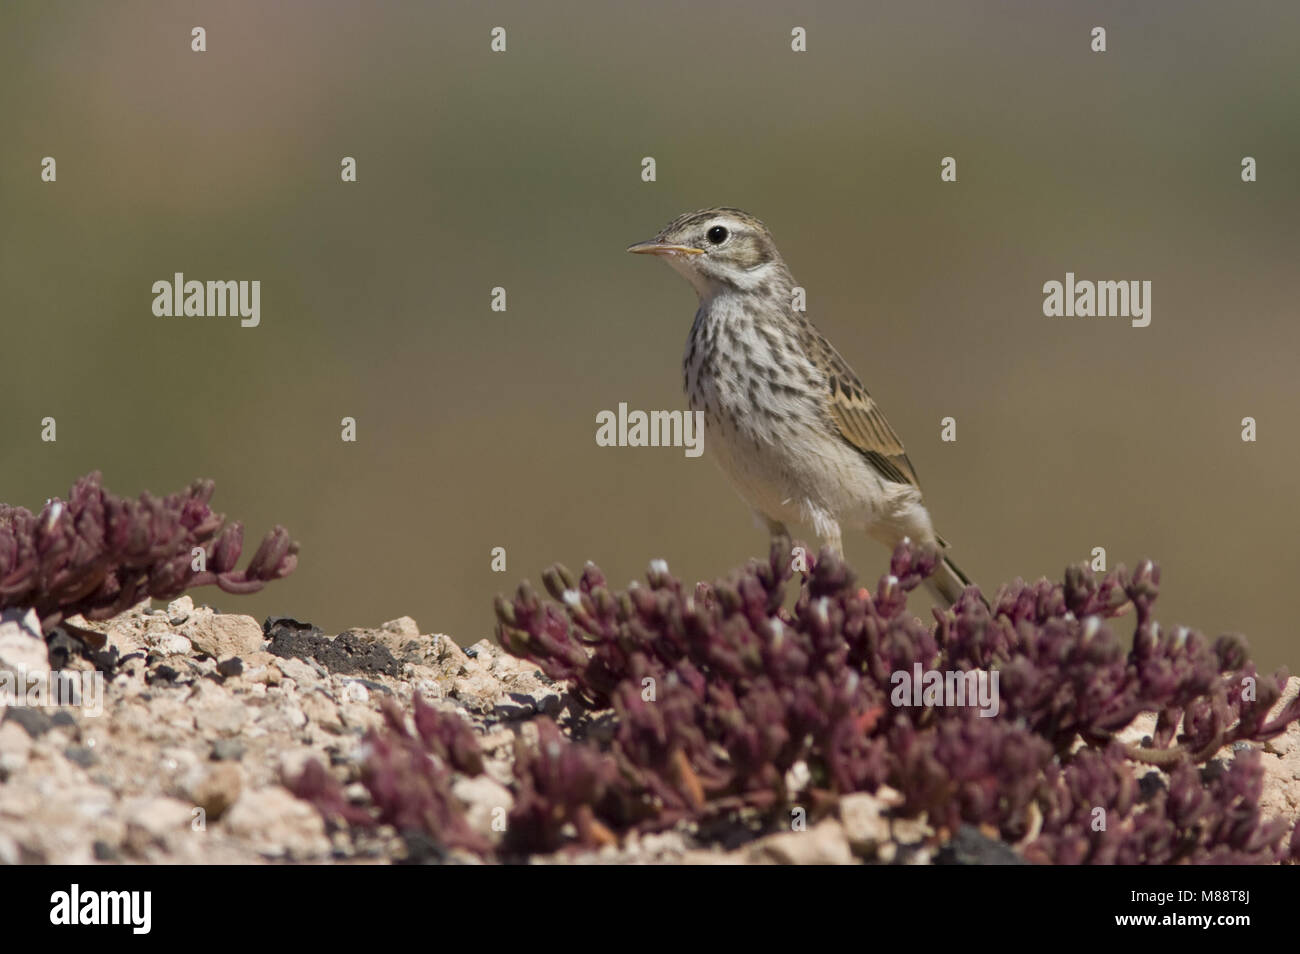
x=784, y=414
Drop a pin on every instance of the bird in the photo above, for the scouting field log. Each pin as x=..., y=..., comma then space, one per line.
x=784, y=414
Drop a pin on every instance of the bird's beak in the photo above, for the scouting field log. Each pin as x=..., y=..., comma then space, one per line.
x=663, y=248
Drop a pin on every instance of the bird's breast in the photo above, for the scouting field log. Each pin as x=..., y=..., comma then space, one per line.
x=740, y=358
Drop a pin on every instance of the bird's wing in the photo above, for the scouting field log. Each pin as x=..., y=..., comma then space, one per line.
x=857, y=417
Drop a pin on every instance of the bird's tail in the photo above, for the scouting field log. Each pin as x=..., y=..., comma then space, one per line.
x=948, y=582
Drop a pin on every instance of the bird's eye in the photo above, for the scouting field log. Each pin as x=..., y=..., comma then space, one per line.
x=717, y=235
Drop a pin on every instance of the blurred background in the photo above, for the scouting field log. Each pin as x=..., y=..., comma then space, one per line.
x=479, y=169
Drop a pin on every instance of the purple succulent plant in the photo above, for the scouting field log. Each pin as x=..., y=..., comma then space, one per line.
x=743, y=690
x=98, y=554
x=408, y=777
x=720, y=697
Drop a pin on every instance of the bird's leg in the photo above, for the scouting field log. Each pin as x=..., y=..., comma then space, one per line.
x=826, y=527
x=834, y=539
x=780, y=535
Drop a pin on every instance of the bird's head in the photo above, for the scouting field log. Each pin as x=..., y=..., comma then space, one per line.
x=718, y=250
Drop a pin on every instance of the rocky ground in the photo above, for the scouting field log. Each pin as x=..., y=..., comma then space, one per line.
x=206, y=714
